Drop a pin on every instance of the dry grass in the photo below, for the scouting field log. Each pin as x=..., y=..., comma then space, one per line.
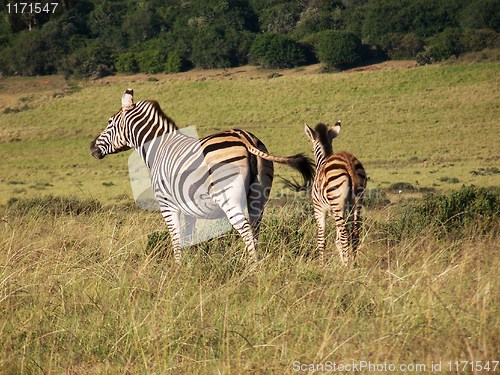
x=79, y=294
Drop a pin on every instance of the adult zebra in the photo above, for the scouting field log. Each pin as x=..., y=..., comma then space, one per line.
x=338, y=188
x=216, y=176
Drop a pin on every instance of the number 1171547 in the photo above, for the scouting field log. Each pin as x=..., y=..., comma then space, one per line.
x=31, y=7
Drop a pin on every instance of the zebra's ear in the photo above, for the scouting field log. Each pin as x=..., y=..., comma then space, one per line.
x=310, y=132
x=128, y=100
x=335, y=131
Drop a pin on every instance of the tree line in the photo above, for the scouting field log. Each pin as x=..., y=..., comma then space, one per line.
x=99, y=37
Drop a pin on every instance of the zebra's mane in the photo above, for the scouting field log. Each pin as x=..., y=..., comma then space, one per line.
x=162, y=114
x=322, y=133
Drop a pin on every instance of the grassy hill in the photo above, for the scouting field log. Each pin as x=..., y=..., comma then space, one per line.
x=431, y=126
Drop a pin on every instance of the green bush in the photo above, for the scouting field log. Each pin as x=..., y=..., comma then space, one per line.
x=444, y=45
x=375, y=198
x=174, y=63
x=151, y=61
x=277, y=51
x=338, y=48
x=213, y=49
x=219, y=46
x=403, y=186
x=480, y=14
x=399, y=46
x=318, y=16
x=280, y=18
x=468, y=211
x=94, y=59
x=127, y=63
x=476, y=40
x=34, y=54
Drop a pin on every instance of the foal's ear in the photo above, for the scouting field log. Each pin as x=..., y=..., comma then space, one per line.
x=128, y=100
x=311, y=134
x=335, y=131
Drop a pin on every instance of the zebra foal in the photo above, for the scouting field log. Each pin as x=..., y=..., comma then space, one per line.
x=338, y=189
x=209, y=178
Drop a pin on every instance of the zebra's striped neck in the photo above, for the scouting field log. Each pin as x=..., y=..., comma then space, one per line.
x=147, y=127
x=319, y=154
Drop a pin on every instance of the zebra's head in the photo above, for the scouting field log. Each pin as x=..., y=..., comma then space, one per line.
x=322, y=138
x=113, y=138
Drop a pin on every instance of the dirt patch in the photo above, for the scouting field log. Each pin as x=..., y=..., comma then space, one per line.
x=247, y=71
x=16, y=92
x=251, y=72
x=385, y=65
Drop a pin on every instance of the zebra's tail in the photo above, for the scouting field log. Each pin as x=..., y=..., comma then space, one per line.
x=300, y=162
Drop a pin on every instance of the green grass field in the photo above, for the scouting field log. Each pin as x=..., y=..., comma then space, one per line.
x=425, y=126
x=82, y=293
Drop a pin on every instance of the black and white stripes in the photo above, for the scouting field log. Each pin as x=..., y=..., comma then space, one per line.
x=220, y=175
x=338, y=189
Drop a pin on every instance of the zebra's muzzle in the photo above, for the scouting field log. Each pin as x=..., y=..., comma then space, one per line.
x=96, y=152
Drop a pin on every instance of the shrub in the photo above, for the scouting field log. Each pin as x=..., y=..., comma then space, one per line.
x=8, y=110
x=402, y=186
x=210, y=51
x=477, y=40
x=35, y=53
x=277, y=51
x=410, y=45
x=318, y=16
x=470, y=210
x=94, y=59
x=218, y=47
x=444, y=45
x=127, y=63
x=451, y=180
x=400, y=46
x=480, y=14
x=375, y=198
x=174, y=63
x=338, y=48
x=280, y=18
x=151, y=61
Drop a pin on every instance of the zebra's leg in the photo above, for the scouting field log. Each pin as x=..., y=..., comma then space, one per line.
x=356, y=228
x=232, y=201
x=173, y=219
x=342, y=238
x=190, y=223
x=257, y=199
x=353, y=212
x=259, y=191
x=320, y=217
x=239, y=222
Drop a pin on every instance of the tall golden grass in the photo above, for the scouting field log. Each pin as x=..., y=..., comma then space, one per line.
x=80, y=294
